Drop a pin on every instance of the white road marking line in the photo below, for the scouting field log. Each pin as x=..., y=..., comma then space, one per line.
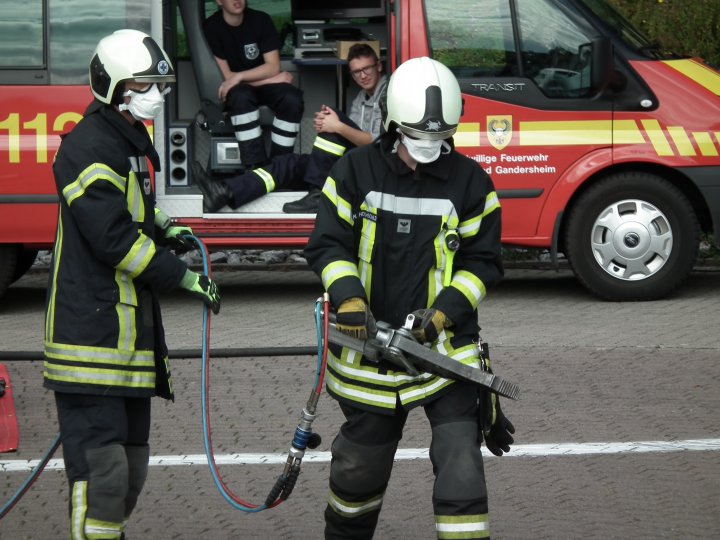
x=408, y=454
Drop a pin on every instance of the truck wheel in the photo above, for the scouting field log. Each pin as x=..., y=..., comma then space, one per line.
x=25, y=260
x=632, y=236
x=8, y=261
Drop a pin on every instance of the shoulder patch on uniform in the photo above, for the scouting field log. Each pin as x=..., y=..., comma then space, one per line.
x=252, y=51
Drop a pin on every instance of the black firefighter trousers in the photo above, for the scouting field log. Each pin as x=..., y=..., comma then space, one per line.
x=362, y=460
x=106, y=454
x=292, y=171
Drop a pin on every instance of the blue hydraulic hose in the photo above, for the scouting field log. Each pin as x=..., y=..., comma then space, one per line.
x=286, y=481
x=318, y=328
x=204, y=383
x=31, y=478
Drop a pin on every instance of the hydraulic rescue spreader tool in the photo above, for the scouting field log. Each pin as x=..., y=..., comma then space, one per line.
x=399, y=347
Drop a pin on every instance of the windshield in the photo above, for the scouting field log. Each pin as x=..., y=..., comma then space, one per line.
x=624, y=29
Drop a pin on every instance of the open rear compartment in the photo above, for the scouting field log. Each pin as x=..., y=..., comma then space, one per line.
x=197, y=129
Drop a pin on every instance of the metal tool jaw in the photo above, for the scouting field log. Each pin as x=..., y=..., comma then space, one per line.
x=386, y=342
x=400, y=348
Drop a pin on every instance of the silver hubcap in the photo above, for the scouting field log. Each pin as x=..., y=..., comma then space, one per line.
x=631, y=240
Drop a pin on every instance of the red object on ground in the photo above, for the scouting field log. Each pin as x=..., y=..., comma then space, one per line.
x=8, y=420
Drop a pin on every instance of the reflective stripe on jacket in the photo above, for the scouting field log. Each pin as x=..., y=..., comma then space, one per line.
x=380, y=234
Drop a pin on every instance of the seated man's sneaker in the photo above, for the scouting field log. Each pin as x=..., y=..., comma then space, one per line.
x=307, y=205
x=216, y=193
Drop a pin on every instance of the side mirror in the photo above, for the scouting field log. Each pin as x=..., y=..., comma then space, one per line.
x=601, y=64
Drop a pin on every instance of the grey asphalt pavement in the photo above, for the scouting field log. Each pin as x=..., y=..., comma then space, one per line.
x=594, y=376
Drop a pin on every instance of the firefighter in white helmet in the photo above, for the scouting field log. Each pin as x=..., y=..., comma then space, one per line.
x=409, y=225
x=105, y=354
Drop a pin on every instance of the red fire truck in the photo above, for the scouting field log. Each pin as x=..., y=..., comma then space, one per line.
x=603, y=148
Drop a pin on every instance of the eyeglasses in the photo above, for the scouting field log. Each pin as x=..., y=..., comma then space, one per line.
x=367, y=71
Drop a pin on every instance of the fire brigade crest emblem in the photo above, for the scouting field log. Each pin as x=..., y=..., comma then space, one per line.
x=499, y=131
x=433, y=125
x=252, y=51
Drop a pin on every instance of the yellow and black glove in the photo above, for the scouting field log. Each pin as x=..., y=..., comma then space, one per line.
x=355, y=318
x=428, y=324
x=202, y=287
x=173, y=234
x=175, y=238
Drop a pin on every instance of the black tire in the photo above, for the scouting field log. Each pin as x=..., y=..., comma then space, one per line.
x=9, y=254
x=632, y=236
x=25, y=260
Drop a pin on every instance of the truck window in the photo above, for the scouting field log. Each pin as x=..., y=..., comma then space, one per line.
x=76, y=26
x=22, y=35
x=473, y=38
x=624, y=29
x=555, y=48
x=51, y=41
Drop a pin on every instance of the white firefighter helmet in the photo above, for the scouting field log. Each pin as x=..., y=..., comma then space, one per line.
x=423, y=100
x=127, y=55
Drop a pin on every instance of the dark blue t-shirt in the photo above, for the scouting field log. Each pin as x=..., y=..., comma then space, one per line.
x=242, y=47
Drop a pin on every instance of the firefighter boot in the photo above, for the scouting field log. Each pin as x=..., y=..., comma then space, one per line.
x=216, y=193
x=307, y=205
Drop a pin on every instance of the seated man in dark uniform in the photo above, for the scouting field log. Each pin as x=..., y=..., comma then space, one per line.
x=246, y=46
x=336, y=133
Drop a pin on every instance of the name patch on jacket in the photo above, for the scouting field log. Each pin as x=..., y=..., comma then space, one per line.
x=404, y=225
x=367, y=215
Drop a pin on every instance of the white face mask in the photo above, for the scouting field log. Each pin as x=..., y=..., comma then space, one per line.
x=145, y=105
x=421, y=150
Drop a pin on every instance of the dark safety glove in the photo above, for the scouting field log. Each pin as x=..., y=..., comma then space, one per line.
x=203, y=287
x=355, y=318
x=495, y=426
x=492, y=423
x=428, y=324
x=175, y=238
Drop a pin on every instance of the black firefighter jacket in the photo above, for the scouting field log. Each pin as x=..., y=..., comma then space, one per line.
x=381, y=234
x=103, y=331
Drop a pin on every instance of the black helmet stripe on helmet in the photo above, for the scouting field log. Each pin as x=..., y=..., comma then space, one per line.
x=158, y=64
x=433, y=119
x=99, y=78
